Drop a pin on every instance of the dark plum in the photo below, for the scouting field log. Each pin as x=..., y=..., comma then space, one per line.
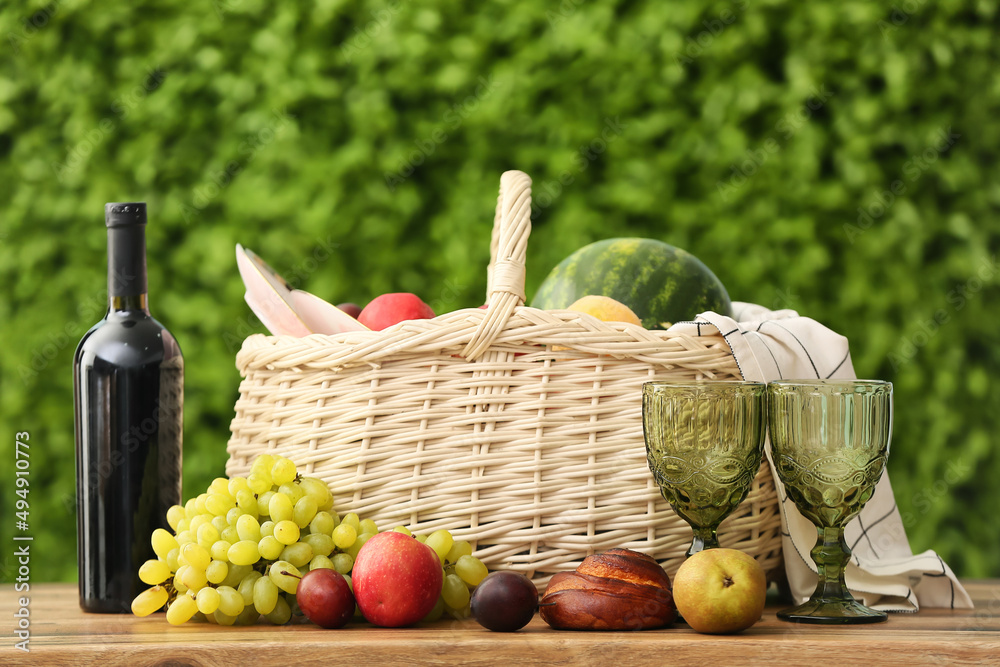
x=504, y=601
x=351, y=309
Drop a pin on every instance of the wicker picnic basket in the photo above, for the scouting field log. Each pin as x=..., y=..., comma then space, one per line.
x=515, y=428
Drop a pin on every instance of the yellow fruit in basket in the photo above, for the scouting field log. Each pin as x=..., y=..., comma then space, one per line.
x=605, y=309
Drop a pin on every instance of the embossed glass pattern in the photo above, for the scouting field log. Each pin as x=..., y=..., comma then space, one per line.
x=704, y=443
x=830, y=441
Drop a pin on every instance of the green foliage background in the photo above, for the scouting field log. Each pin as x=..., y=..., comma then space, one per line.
x=358, y=147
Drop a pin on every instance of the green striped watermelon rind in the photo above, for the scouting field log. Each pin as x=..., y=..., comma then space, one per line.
x=660, y=283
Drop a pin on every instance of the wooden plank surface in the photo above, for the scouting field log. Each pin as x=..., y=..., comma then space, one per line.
x=61, y=634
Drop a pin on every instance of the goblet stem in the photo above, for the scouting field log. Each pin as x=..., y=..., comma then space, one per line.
x=704, y=538
x=831, y=555
x=831, y=602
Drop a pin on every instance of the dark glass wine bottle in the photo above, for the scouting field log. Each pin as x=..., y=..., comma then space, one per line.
x=128, y=382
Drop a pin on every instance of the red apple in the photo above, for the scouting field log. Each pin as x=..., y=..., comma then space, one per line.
x=351, y=309
x=388, y=309
x=397, y=580
x=325, y=598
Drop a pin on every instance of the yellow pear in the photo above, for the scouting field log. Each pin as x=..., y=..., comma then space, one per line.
x=605, y=309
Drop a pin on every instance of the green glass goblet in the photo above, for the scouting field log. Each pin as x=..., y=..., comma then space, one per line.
x=704, y=443
x=830, y=441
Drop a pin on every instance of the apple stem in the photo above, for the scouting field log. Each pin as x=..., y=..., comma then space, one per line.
x=289, y=574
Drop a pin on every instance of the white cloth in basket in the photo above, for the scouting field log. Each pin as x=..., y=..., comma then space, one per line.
x=884, y=573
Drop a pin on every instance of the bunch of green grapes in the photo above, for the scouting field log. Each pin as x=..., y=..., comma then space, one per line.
x=462, y=573
x=239, y=549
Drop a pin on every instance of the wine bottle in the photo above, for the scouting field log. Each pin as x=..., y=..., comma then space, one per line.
x=128, y=385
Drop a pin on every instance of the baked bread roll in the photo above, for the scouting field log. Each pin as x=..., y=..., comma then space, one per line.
x=619, y=589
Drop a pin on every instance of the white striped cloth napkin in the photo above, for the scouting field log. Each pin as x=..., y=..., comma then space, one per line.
x=884, y=573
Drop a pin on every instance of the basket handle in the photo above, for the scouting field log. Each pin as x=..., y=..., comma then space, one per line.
x=508, y=249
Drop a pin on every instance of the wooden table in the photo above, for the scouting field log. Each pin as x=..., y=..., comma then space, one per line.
x=63, y=635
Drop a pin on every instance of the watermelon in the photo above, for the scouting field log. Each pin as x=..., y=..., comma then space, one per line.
x=661, y=283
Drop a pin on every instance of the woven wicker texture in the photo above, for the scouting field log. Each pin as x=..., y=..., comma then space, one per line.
x=517, y=429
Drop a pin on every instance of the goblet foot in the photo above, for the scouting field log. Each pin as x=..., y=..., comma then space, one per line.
x=832, y=612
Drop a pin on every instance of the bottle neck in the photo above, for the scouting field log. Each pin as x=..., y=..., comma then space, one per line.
x=128, y=303
x=127, y=289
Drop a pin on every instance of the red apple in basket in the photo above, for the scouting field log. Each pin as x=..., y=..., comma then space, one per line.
x=720, y=591
x=388, y=309
x=397, y=580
